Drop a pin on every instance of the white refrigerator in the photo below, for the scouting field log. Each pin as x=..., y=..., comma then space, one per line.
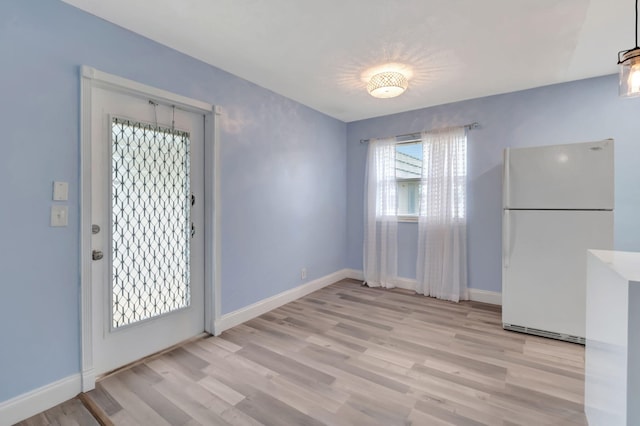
x=557, y=204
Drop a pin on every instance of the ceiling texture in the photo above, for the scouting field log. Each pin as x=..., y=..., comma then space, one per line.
x=321, y=52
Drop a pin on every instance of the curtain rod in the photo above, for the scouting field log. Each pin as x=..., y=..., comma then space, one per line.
x=416, y=135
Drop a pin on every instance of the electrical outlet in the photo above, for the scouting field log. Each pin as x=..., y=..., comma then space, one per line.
x=303, y=274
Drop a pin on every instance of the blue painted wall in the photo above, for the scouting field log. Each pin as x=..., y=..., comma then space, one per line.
x=585, y=110
x=283, y=179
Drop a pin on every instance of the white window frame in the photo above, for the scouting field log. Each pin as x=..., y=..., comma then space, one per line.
x=407, y=217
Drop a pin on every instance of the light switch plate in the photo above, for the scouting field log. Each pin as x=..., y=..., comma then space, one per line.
x=60, y=191
x=59, y=215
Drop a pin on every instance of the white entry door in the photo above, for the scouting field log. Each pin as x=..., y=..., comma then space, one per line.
x=147, y=204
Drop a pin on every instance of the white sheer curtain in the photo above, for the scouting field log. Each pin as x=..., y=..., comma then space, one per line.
x=381, y=223
x=442, y=226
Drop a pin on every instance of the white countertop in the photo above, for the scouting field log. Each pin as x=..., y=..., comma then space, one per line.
x=624, y=263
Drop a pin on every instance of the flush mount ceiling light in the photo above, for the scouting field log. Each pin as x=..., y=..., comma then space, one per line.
x=388, y=84
x=629, y=61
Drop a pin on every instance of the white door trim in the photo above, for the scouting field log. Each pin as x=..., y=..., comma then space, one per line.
x=90, y=78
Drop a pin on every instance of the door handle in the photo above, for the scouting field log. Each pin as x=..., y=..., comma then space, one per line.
x=506, y=202
x=506, y=239
x=97, y=255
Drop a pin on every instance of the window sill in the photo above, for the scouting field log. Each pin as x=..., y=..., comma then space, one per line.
x=415, y=219
x=408, y=219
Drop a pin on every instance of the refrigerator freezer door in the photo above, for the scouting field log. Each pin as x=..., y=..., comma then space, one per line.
x=575, y=176
x=544, y=267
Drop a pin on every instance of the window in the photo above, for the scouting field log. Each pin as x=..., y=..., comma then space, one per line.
x=151, y=221
x=409, y=165
x=408, y=174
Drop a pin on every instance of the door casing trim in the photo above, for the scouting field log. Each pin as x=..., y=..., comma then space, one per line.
x=92, y=78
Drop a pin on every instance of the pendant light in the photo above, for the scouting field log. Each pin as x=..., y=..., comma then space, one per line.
x=629, y=61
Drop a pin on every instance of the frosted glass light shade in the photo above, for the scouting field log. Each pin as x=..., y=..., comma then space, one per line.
x=630, y=74
x=388, y=84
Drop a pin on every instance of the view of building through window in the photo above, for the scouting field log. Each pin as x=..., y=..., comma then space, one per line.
x=408, y=172
x=408, y=175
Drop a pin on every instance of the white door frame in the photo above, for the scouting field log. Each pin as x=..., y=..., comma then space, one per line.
x=92, y=78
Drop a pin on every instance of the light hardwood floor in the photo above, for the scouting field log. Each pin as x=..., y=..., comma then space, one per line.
x=70, y=413
x=351, y=355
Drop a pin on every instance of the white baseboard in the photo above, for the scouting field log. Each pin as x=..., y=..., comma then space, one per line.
x=33, y=402
x=247, y=313
x=399, y=282
x=354, y=274
x=477, y=295
x=88, y=380
x=485, y=296
x=405, y=283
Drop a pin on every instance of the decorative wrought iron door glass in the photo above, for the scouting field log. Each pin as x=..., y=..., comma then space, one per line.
x=151, y=221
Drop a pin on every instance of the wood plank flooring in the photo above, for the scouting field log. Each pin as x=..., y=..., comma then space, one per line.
x=351, y=355
x=70, y=413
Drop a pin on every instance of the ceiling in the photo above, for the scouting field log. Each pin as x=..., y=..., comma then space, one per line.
x=319, y=53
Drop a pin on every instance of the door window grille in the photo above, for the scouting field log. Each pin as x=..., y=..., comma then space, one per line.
x=151, y=221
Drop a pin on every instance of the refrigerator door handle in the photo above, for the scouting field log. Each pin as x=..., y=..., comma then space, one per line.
x=505, y=180
x=506, y=239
